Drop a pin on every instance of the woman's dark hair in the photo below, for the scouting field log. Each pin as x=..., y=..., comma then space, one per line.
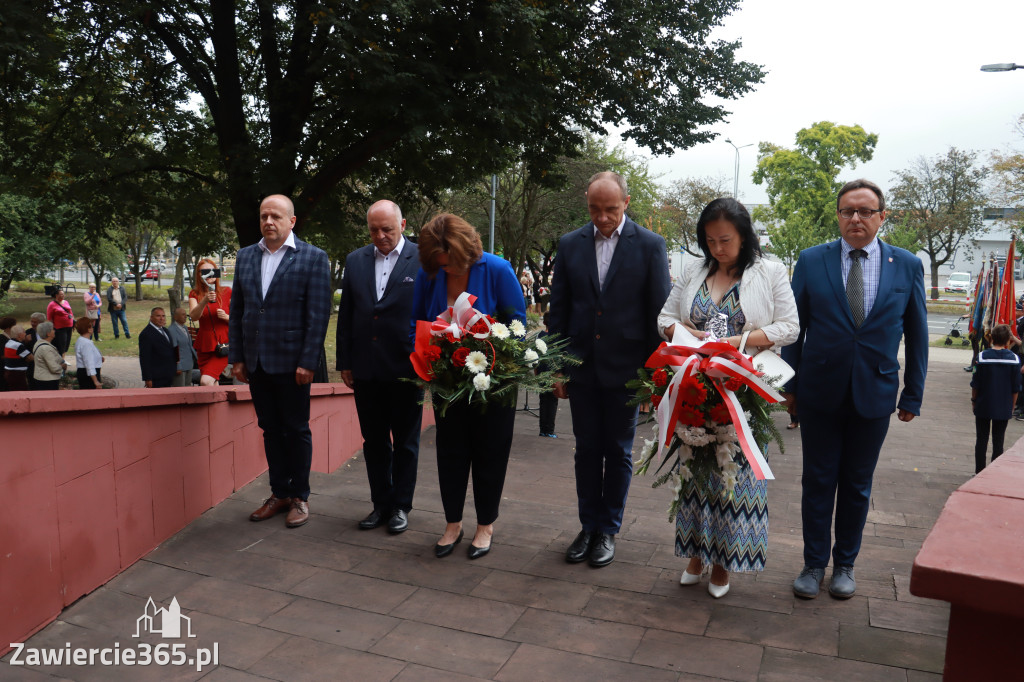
x=83, y=325
x=1001, y=334
x=450, y=234
x=727, y=208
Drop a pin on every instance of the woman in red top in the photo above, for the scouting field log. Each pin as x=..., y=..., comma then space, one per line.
x=59, y=312
x=209, y=304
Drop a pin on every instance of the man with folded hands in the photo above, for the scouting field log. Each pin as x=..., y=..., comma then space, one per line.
x=373, y=356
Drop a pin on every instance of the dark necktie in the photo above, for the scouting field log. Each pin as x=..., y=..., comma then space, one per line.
x=855, y=286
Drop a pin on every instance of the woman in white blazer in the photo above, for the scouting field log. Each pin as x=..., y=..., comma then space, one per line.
x=733, y=290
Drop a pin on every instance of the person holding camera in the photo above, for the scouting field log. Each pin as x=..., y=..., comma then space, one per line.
x=209, y=304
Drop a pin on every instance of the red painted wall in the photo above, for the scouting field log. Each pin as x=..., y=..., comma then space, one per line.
x=93, y=480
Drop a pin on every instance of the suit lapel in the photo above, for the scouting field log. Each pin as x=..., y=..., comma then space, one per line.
x=622, y=250
x=403, y=265
x=834, y=273
x=590, y=256
x=887, y=272
x=369, y=261
x=286, y=263
x=257, y=257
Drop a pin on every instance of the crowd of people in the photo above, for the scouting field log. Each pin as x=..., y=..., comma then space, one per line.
x=838, y=324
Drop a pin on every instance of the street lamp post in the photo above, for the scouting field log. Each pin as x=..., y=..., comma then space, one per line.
x=736, y=170
x=1001, y=67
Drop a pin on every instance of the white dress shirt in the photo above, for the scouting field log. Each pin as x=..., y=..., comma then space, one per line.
x=604, y=248
x=871, y=270
x=272, y=260
x=384, y=265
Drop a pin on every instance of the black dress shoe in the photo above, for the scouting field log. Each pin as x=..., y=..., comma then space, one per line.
x=580, y=547
x=398, y=522
x=477, y=552
x=374, y=520
x=441, y=551
x=603, y=551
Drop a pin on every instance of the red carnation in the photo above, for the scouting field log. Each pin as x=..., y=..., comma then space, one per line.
x=690, y=415
x=459, y=356
x=660, y=377
x=720, y=414
x=692, y=391
x=733, y=384
x=656, y=400
x=480, y=327
x=432, y=353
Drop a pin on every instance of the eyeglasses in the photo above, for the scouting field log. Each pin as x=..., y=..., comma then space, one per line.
x=864, y=213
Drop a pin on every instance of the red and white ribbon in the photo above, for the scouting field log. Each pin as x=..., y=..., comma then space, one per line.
x=460, y=318
x=720, y=361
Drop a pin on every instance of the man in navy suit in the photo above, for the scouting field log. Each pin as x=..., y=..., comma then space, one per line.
x=857, y=297
x=373, y=356
x=280, y=306
x=610, y=282
x=158, y=352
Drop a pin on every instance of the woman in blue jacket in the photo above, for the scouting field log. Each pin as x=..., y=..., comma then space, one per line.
x=469, y=439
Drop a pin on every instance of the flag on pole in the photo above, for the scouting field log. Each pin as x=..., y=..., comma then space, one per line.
x=974, y=306
x=992, y=293
x=1006, y=310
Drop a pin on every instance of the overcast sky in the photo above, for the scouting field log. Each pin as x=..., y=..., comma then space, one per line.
x=907, y=71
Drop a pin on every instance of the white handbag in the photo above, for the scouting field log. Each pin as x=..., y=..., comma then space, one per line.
x=770, y=363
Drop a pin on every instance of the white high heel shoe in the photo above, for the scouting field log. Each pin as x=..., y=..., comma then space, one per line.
x=689, y=578
x=718, y=591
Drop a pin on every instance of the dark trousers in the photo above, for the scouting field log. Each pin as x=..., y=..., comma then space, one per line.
x=477, y=442
x=840, y=451
x=52, y=385
x=282, y=411
x=85, y=381
x=390, y=417
x=604, y=427
x=981, y=426
x=96, y=327
x=62, y=339
x=115, y=317
x=548, y=410
x=17, y=380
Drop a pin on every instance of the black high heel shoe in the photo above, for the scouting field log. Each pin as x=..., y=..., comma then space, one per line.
x=441, y=551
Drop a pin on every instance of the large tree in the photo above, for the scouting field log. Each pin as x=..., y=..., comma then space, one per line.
x=942, y=200
x=802, y=184
x=1008, y=167
x=681, y=204
x=305, y=94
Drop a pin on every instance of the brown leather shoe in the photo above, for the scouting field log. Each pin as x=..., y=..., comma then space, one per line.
x=271, y=507
x=298, y=514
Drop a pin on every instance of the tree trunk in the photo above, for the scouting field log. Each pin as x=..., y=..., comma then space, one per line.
x=935, y=280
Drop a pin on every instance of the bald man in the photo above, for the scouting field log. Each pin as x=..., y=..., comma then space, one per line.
x=373, y=356
x=280, y=306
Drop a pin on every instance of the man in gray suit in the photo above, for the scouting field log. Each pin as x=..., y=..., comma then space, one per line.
x=373, y=357
x=187, y=360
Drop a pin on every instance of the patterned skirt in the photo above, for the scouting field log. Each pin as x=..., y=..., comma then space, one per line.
x=729, y=531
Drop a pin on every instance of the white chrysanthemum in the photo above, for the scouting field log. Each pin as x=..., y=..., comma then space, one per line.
x=530, y=356
x=726, y=434
x=476, y=362
x=676, y=484
x=731, y=468
x=499, y=331
x=541, y=346
x=482, y=382
x=517, y=328
x=684, y=473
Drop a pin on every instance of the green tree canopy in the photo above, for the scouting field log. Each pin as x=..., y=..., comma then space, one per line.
x=942, y=201
x=304, y=95
x=681, y=205
x=802, y=184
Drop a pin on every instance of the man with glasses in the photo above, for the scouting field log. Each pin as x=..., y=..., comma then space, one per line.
x=857, y=297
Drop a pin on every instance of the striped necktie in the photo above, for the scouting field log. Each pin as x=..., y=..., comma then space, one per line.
x=855, y=287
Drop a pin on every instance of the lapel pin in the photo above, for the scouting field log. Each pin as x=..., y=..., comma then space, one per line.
x=890, y=259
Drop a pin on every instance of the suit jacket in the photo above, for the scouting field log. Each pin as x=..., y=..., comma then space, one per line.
x=187, y=358
x=286, y=329
x=832, y=356
x=613, y=328
x=373, y=336
x=158, y=355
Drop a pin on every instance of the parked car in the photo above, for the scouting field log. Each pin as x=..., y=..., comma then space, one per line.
x=151, y=273
x=959, y=282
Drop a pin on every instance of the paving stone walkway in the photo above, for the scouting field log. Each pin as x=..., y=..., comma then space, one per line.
x=331, y=602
